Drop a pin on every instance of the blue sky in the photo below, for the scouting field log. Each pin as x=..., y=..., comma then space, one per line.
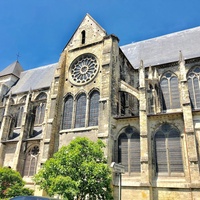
x=39, y=29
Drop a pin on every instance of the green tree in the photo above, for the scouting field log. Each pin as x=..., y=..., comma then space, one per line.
x=76, y=171
x=12, y=184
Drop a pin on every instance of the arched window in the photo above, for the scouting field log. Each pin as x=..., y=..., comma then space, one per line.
x=41, y=96
x=170, y=91
x=94, y=109
x=40, y=108
x=151, y=99
x=40, y=113
x=31, y=161
x=67, y=113
x=80, y=111
x=194, y=87
x=83, y=34
x=129, y=149
x=168, y=150
x=19, y=116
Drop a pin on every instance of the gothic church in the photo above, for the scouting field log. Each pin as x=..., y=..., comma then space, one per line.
x=142, y=100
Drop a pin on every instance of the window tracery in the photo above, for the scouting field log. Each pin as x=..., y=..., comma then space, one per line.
x=194, y=87
x=40, y=113
x=80, y=111
x=83, y=69
x=19, y=116
x=94, y=109
x=170, y=91
x=68, y=111
x=86, y=111
x=129, y=149
x=31, y=161
x=40, y=108
x=168, y=150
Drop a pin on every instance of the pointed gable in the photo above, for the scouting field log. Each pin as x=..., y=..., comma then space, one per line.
x=14, y=68
x=88, y=32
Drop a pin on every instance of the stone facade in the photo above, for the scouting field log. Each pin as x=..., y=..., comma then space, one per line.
x=148, y=116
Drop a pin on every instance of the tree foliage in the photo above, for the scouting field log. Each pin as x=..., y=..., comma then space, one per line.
x=12, y=184
x=76, y=171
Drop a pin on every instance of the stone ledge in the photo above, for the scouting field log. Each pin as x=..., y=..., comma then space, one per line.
x=82, y=129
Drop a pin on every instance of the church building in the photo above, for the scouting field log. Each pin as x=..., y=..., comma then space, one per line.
x=142, y=100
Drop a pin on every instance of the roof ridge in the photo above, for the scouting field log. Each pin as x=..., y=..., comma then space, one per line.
x=162, y=36
x=44, y=66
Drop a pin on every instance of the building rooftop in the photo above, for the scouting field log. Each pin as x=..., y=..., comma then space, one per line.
x=15, y=68
x=33, y=79
x=164, y=49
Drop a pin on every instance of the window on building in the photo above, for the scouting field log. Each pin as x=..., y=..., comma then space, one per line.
x=19, y=116
x=94, y=109
x=129, y=149
x=83, y=36
x=194, y=87
x=168, y=150
x=31, y=159
x=67, y=113
x=83, y=116
x=40, y=113
x=80, y=111
x=41, y=96
x=40, y=108
x=151, y=99
x=170, y=91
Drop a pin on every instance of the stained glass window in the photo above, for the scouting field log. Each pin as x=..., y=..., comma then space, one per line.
x=20, y=116
x=80, y=111
x=67, y=113
x=194, y=87
x=94, y=109
x=83, y=69
x=40, y=113
x=129, y=149
x=31, y=161
x=168, y=150
x=170, y=91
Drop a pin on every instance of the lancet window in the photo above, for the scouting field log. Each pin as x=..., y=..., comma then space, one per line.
x=31, y=160
x=170, y=91
x=194, y=87
x=94, y=109
x=129, y=149
x=81, y=111
x=40, y=108
x=168, y=150
x=67, y=113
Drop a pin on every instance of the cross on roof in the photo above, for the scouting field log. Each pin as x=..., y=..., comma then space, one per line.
x=17, y=55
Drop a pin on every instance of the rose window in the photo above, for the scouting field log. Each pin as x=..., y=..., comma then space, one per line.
x=34, y=151
x=83, y=69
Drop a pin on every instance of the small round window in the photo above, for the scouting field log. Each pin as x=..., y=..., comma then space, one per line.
x=83, y=69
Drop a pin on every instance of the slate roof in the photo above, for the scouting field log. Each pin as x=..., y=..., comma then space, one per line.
x=164, y=49
x=15, y=68
x=35, y=79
